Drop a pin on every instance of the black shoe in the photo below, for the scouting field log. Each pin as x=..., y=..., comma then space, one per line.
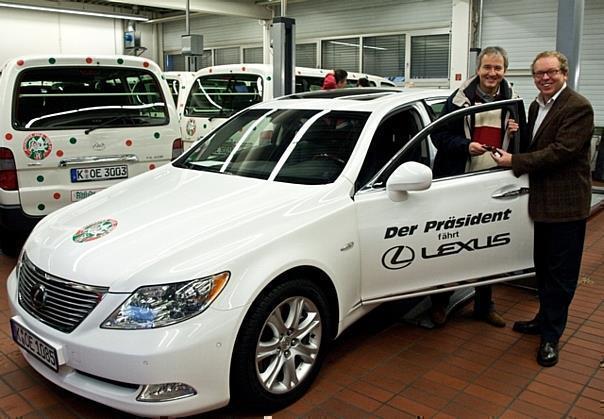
x=528, y=327
x=547, y=356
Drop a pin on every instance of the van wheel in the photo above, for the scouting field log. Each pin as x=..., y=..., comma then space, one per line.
x=280, y=346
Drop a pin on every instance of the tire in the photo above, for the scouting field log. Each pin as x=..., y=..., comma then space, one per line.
x=277, y=355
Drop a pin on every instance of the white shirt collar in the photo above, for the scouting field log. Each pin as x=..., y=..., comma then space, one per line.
x=551, y=100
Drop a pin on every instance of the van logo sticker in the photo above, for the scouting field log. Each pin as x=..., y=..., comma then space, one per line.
x=98, y=146
x=94, y=231
x=37, y=146
x=191, y=128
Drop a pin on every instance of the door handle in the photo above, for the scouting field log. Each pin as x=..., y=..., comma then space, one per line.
x=511, y=194
x=123, y=158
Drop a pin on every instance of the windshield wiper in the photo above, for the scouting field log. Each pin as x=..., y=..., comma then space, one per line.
x=107, y=122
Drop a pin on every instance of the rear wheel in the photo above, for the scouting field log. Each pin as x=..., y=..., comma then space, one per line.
x=280, y=346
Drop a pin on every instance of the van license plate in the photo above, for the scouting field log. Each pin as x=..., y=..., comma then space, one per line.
x=34, y=345
x=91, y=174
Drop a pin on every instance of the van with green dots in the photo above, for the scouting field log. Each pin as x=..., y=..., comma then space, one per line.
x=71, y=126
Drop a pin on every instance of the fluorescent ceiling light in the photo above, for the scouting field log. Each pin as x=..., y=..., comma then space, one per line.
x=73, y=11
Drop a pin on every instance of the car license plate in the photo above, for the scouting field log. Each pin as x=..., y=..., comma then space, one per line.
x=35, y=346
x=82, y=193
x=90, y=174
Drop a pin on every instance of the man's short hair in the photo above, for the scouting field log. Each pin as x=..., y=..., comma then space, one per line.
x=493, y=51
x=557, y=54
x=340, y=75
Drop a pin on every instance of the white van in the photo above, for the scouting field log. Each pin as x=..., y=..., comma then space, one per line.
x=178, y=82
x=221, y=91
x=74, y=125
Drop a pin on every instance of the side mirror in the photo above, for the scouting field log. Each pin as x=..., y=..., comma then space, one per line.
x=410, y=176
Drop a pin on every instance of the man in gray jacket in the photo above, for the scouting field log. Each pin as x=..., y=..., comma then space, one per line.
x=557, y=162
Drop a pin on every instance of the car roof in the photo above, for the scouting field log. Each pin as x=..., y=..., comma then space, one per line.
x=355, y=99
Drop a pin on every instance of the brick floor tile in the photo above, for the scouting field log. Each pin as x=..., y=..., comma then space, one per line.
x=533, y=410
x=596, y=406
x=544, y=401
x=512, y=414
x=372, y=391
x=14, y=406
x=388, y=412
x=436, y=388
x=566, y=375
x=39, y=397
x=497, y=386
x=340, y=408
x=466, y=364
x=597, y=384
x=411, y=407
x=488, y=395
x=563, y=395
x=6, y=365
x=595, y=394
x=427, y=399
x=358, y=400
x=298, y=408
x=459, y=410
x=18, y=380
x=478, y=404
x=446, y=380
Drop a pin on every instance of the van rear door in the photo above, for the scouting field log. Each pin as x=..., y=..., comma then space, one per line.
x=79, y=126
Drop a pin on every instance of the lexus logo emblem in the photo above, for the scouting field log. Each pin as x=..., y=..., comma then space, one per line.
x=38, y=296
x=398, y=257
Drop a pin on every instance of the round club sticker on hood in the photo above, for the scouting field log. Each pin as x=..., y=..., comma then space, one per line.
x=94, y=231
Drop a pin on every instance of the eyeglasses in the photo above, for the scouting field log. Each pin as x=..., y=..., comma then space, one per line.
x=550, y=73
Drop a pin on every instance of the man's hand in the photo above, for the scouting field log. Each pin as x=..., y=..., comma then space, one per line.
x=476, y=149
x=512, y=127
x=502, y=158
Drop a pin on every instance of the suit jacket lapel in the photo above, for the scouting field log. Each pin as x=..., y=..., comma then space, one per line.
x=551, y=115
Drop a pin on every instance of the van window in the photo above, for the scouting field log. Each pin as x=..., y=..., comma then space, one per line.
x=308, y=83
x=222, y=95
x=174, y=85
x=84, y=97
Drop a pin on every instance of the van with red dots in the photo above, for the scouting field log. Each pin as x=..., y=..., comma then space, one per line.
x=216, y=93
x=71, y=126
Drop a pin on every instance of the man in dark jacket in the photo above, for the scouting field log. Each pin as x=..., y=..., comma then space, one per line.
x=557, y=162
x=462, y=144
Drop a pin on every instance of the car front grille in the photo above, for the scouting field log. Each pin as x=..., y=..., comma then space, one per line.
x=57, y=302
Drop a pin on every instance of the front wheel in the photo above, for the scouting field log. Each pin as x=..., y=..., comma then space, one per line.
x=280, y=346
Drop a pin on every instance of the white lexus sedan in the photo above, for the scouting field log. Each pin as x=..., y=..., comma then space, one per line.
x=226, y=274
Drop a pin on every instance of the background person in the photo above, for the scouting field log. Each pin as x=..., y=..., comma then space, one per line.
x=335, y=80
x=461, y=147
x=557, y=162
x=363, y=82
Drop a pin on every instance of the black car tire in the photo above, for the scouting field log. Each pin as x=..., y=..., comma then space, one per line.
x=299, y=349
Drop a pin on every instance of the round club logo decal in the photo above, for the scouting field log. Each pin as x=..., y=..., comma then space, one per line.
x=37, y=146
x=191, y=127
x=94, y=231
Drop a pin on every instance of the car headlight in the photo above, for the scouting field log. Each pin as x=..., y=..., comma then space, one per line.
x=163, y=305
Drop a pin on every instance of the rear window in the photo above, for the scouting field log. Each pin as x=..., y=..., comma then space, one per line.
x=88, y=97
x=222, y=95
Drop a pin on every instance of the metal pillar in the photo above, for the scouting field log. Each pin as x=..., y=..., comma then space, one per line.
x=568, y=36
x=284, y=59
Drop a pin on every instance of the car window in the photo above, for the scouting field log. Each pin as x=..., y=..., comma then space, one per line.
x=260, y=144
x=456, y=164
x=80, y=97
x=174, y=85
x=391, y=135
x=223, y=95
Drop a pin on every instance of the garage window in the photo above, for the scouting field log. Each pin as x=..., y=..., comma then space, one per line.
x=253, y=55
x=340, y=53
x=384, y=55
x=306, y=55
x=430, y=57
x=227, y=56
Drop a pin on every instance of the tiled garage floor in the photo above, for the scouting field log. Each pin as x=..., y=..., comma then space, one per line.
x=383, y=367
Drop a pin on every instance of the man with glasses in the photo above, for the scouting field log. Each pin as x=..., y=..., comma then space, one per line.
x=557, y=162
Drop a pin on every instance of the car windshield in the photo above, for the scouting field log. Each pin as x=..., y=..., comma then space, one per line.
x=87, y=97
x=222, y=95
x=308, y=147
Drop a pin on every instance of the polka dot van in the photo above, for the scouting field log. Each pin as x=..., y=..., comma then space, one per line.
x=71, y=126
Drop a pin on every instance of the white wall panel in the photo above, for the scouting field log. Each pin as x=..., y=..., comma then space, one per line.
x=319, y=19
x=29, y=32
x=526, y=28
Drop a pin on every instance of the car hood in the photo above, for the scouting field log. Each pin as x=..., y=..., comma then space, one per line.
x=171, y=224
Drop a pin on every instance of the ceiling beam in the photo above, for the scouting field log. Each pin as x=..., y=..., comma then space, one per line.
x=215, y=7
